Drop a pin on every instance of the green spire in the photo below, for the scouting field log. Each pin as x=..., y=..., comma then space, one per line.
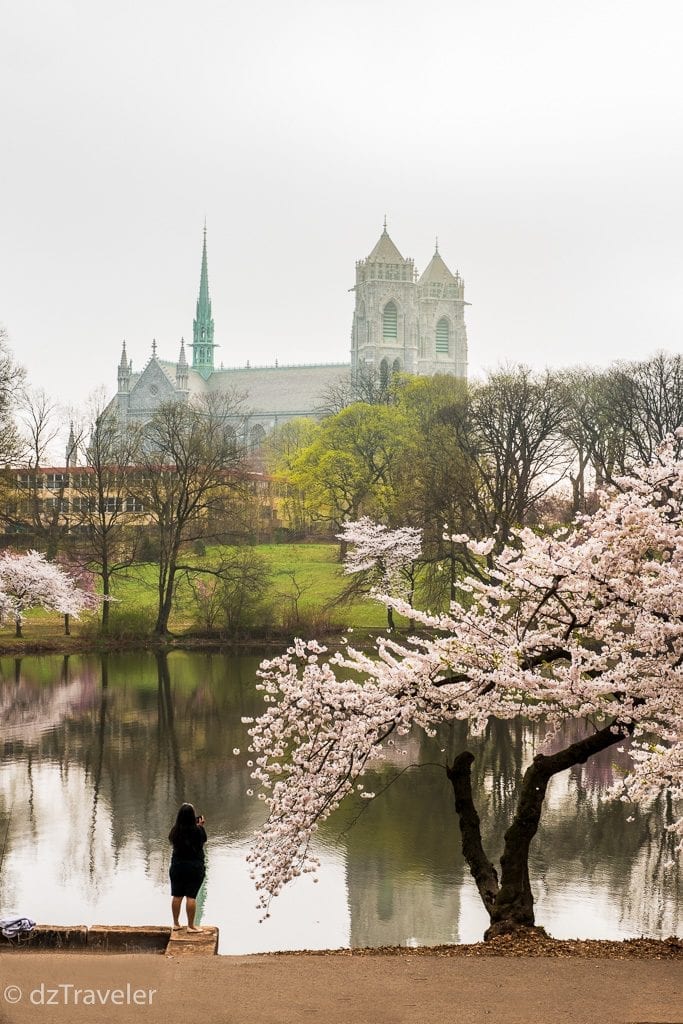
x=202, y=328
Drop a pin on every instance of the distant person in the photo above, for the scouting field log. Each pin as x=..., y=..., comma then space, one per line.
x=187, y=870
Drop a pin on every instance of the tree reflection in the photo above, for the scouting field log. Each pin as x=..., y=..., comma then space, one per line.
x=411, y=833
x=130, y=736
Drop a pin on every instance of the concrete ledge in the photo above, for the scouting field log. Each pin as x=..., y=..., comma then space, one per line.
x=124, y=939
x=99, y=938
x=184, y=943
x=49, y=936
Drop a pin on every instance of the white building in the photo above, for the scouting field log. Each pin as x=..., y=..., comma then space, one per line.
x=400, y=323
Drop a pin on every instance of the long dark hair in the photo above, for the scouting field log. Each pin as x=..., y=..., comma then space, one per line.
x=185, y=823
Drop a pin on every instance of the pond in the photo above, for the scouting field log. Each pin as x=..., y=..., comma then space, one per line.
x=99, y=751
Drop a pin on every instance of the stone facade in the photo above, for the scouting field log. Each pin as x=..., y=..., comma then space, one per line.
x=401, y=322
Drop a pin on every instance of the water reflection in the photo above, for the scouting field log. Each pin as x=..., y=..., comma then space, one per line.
x=99, y=751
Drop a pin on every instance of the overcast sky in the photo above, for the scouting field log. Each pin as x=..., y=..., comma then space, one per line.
x=541, y=141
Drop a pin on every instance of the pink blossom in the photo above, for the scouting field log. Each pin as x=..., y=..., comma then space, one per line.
x=583, y=624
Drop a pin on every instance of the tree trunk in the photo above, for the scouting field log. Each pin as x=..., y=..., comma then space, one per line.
x=67, y=628
x=104, y=625
x=18, y=629
x=481, y=868
x=510, y=903
x=390, y=617
x=165, y=604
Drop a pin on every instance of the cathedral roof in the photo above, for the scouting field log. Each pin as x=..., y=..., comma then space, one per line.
x=385, y=251
x=437, y=272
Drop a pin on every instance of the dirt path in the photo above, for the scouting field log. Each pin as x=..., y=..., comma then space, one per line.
x=338, y=989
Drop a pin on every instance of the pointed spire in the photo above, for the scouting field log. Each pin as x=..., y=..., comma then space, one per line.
x=71, y=447
x=202, y=328
x=385, y=222
x=125, y=371
x=437, y=272
x=182, y=370
x=154, y=347
x=385, y=251
x=204, y=304
x=436, y=246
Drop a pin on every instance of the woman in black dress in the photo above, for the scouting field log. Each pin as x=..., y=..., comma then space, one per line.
x=187, y=863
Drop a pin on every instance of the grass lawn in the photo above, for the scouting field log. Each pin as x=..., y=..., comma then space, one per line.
x=307, y=574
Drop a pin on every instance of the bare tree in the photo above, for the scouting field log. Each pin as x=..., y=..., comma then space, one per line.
x=41, y=421
x=40, y=505
x=596, y=427
x=105, y=509
x=618, y=416
x=193, y=465
x=363, y=384
x=512, y=432
x=11, y=381
x=651, y=403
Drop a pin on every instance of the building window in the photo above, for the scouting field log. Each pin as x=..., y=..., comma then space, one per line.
x=110, y=505
x=56, y=481
x=384, y=373
x=396, y=368
x=82, y=505
x=30, y=480
x=443, y=337
x=390, y=321
x=55, y=505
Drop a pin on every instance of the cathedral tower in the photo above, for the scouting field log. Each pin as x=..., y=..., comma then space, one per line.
x=402, y=323
x=442, y=345
x=384, y=334
x=202, y=328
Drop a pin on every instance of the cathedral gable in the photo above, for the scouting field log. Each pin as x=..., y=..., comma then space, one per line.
x=152, y=387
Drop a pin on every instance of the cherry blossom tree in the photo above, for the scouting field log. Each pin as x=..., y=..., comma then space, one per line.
x=85, y=586
x=30, y=581
x=582, y=624
x=383, y=558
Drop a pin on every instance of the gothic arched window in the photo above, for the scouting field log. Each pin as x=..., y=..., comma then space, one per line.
x=443, y=337
x=257, y=436
x=384, y=373
x=390, y=321
x=231, y=437
x=396, y=367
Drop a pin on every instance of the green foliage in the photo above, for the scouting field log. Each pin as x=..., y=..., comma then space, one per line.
x=234, y=599
x=305, y=581
x=148, y=549
x=125, y=623
x=349, y=468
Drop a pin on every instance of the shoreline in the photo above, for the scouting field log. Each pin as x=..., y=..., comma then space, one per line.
x=18, y=647
x=77, y=940
x=521, y=944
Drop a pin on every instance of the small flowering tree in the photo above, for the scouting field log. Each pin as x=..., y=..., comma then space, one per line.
x=585, y=624
x=30, y=581
x=84, y=584
x=384, y=558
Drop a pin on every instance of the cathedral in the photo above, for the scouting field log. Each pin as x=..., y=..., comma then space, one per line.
x=402, y=322
x=405, y=322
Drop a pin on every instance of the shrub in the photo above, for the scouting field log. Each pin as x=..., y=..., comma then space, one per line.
x=124, y=624
x=233, y=599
